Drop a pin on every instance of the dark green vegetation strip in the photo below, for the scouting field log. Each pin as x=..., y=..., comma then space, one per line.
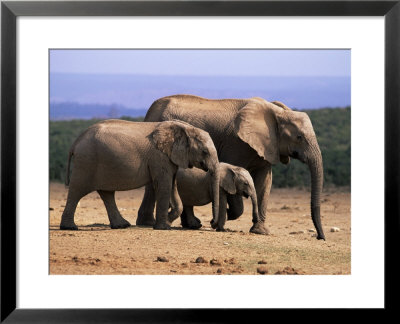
x=331, y=125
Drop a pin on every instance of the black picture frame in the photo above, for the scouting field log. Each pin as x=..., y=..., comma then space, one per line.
x=10, y=10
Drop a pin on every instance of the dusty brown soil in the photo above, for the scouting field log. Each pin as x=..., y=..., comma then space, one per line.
x=290, y=249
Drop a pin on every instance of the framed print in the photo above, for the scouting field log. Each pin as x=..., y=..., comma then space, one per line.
x=68, y=65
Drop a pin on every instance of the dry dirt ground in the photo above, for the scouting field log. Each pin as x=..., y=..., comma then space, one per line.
x=290, y=249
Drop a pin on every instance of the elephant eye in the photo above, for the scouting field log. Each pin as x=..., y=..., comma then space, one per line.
x=299, y=137
x=205, y=152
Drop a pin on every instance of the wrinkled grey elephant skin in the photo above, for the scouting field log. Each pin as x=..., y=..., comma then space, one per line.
x=251, y=133
x=117, y=155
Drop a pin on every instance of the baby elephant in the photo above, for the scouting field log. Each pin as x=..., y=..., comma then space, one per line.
x=194, y=187
x=118, y=155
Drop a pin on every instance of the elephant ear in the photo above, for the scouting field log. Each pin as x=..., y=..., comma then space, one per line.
x=282, y=105
x=171, y=138
x=285, y=159
x=256, y=125
x=228, y=181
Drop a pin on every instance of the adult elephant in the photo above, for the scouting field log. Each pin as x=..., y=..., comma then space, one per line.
x=116, y=155
x=251, y=133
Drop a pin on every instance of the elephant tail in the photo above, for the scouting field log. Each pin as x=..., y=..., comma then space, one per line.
x=71, y=152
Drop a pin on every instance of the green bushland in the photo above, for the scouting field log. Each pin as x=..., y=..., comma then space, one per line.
x=331, y=125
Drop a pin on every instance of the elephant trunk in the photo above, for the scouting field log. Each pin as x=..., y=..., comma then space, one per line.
x=253, y=197
x=215, y=178
x=317, y=174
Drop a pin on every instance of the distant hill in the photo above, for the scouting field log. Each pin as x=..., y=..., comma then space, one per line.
x=73, y=110
x=137, y=92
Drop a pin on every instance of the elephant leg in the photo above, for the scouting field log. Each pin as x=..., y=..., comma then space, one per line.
x=176, y=204
x=145, y=213
x=235, y=203
x=116, y=220
x=188, y=219
x=262, y=182
x=163, y=195
x=67, y=219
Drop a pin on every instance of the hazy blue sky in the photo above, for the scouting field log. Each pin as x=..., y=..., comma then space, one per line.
x=302, y=79
x=203, y=62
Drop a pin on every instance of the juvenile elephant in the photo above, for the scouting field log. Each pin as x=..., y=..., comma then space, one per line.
x=194, y=188
x=116, y=155
x=251, y=133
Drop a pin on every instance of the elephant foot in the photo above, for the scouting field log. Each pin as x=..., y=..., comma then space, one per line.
x=193, y=226
x=122, y=224
x=161, y=226
x=213, y=225
x=259, y=228
x=69, y=227
x=220, y=229
x=145, y=220
x=191, y=223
